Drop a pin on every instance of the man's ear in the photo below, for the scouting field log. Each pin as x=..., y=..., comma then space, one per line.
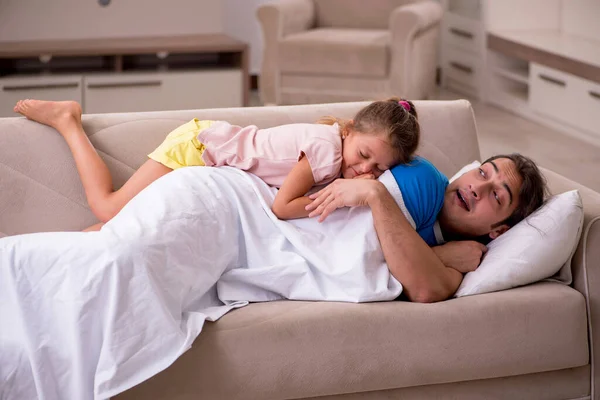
x=499, y=230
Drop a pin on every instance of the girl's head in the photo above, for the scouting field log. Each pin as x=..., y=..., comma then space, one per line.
x=381, y=135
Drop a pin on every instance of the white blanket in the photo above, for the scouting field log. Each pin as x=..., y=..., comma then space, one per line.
x=89, y=315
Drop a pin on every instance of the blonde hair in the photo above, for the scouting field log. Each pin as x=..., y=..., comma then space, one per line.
x=399, y=124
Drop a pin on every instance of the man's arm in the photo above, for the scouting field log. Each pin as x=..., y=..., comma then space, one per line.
x=412, y=262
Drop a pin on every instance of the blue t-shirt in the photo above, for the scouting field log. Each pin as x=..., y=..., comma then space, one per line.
x=423, y=188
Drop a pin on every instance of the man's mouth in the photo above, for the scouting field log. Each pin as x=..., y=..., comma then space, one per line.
x=462, y=201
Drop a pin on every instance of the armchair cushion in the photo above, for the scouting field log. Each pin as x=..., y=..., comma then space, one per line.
x=361, y=14
x=349, y=52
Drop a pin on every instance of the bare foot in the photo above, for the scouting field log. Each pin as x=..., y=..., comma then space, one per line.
x=58, y=114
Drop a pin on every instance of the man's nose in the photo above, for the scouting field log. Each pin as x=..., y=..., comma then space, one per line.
x=475, y=191
x=479, y=189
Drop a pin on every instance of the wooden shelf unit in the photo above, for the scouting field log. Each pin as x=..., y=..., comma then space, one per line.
x=214, y=65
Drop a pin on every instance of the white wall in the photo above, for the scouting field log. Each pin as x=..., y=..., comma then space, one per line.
x=574, y=17
x=581, y=18
x=72, y=19
x=523, y=14
x=84, y=19
x=239, y=21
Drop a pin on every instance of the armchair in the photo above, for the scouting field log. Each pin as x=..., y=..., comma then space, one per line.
x=319, y=51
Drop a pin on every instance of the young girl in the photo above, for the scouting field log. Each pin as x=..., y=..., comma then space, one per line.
x=292, y=157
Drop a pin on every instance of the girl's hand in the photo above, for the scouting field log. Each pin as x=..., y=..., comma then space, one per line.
x=341, y=193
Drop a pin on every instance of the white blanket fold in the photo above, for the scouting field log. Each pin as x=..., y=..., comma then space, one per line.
x=89, y=315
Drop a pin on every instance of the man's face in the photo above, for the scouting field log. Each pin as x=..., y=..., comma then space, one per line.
x=477, y=201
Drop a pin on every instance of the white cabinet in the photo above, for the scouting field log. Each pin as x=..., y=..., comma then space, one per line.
x=566, y=98
x=537, y=58
x=157, y=91
x=552, y=93
x=133, y=74
x=13, y=89
x=587, y=105
x=462, y=71
x=463, y=47
x=462, y=32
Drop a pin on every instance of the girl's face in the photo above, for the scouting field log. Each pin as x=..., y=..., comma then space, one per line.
x=364, y=153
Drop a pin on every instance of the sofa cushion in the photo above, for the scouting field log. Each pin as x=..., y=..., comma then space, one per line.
x=355, y=52
x=374, y=14
x=301, y=349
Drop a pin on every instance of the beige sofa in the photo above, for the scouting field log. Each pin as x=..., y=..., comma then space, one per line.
x=323, y=51
x=534, y=342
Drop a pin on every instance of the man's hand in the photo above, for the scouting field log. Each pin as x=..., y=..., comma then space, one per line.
x=342, y=193
x=364, y=176
x=463, y=256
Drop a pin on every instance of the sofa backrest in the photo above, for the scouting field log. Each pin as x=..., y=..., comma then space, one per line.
x=41, y=191
x=362, y=14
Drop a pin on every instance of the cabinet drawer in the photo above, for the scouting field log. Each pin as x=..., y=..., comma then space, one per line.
x=462, y=32
x=587, y=105
x=13, y=89
x=462, y=67
x=552, y=93
x=158, y=91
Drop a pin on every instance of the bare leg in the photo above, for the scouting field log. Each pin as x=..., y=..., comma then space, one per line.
x=65, y=117
x=94, y=228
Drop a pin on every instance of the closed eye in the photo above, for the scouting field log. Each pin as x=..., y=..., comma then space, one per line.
x=363, y=155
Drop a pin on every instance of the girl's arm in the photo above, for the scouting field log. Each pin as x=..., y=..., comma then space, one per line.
x=290, y=201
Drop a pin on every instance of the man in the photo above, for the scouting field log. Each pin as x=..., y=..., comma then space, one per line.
x=480, y=205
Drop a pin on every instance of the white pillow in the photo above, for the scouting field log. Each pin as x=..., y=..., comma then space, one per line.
x=534, y=249
x=465, y=169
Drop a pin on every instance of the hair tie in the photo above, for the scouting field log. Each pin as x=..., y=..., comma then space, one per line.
x=405, y=105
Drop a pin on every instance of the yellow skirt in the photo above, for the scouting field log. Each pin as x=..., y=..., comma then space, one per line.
x=181, y=147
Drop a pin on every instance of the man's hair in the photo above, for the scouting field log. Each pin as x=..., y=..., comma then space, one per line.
x=533, y=189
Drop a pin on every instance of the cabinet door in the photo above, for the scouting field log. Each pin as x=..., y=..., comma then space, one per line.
x=462, y=71
x=587, y=105
x=158, y=91
x=551, y=93
x=13, y=89
x=464, y=33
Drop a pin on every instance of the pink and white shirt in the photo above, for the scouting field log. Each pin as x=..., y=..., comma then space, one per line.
x=272, y=153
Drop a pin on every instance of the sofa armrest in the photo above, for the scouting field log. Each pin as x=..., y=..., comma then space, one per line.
x=278, y=20
x=586, y=261
x=285, y=17
x=407, y=24
x=410, y=19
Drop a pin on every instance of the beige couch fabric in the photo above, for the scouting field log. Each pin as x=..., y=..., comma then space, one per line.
x=47, y=194
x=535, y=337
x=367, y=347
